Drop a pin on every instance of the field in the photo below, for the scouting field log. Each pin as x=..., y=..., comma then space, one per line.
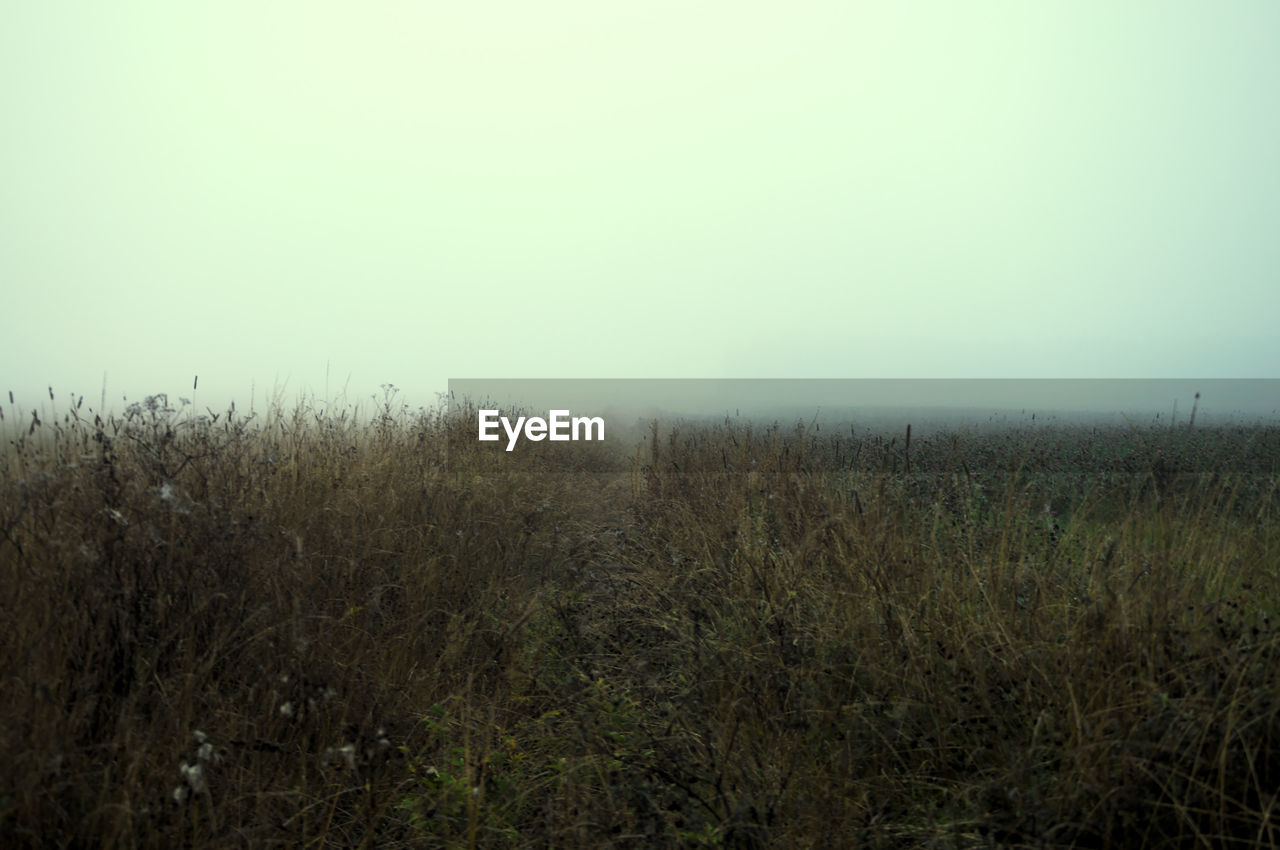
x=319, y=628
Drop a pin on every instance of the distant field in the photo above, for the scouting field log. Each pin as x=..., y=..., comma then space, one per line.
x=312, y=629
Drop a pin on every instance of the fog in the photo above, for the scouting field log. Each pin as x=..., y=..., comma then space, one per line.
x=313, y=201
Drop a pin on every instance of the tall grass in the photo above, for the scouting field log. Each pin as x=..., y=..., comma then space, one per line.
x=321, y=628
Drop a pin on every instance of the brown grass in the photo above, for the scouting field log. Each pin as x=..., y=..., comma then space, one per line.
x=315, y=629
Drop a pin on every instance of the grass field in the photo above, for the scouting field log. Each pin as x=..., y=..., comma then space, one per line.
x=311, y=628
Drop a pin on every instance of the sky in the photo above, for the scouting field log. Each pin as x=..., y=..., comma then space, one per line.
x=326, y=197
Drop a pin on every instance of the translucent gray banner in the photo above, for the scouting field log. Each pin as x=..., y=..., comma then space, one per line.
x=608, y=425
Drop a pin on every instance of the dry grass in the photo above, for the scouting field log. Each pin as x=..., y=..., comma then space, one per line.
x=300, y=630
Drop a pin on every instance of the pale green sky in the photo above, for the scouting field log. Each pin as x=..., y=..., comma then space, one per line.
x=412, y=191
